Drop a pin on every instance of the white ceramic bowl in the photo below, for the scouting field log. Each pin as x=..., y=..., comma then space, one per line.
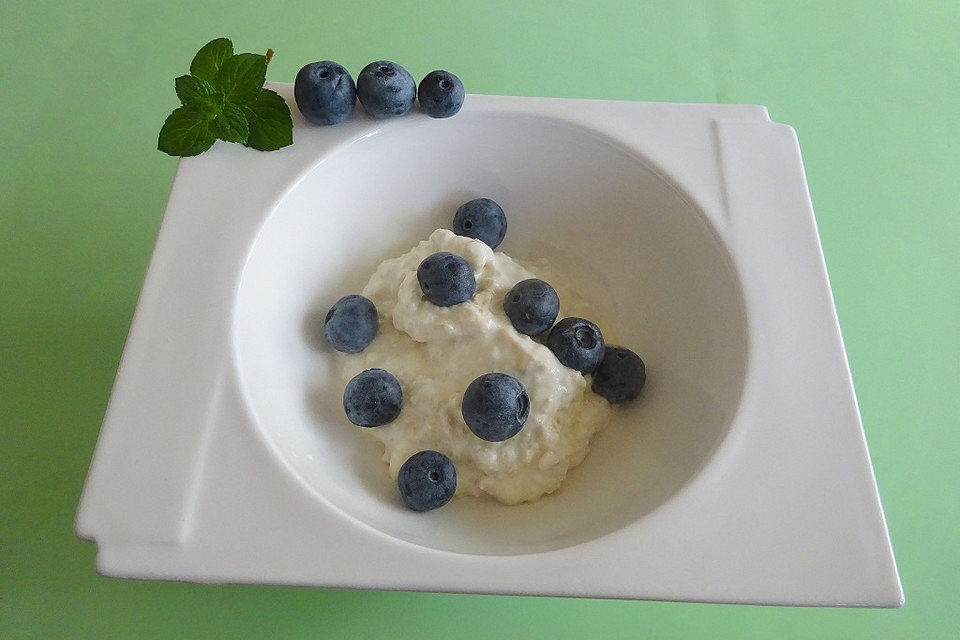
x=740, y=475
x=631, y=241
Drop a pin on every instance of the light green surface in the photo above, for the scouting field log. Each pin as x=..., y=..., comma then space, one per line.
x=872, y=88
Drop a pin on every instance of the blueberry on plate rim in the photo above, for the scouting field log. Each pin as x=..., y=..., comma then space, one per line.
x=385, y=89
x=372, y=398
x=495, y=407
x=482, y=219
x=427, y=480
x=325, y=92
x=440, y=94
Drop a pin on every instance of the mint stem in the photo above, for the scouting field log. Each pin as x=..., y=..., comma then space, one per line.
x=269, y=55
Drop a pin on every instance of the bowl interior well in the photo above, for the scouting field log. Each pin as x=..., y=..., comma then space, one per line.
x=625, y=238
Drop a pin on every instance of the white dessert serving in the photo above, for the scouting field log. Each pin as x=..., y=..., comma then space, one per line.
x=435, y=352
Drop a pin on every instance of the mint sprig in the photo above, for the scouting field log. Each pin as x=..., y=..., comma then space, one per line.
x=223, y=97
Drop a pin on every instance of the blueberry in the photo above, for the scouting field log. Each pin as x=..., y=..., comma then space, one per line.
x=446, y=279
x=577, y=343
x=495, y=407
x=386, y=89
x=482, y=219
x=532, y=306
x=620, y=375
x=427, y=480
x=351, y=324
x=440, y=94
x=325, y=92
x=372, y=398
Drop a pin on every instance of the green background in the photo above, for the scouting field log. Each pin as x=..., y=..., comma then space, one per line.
x=873, y=90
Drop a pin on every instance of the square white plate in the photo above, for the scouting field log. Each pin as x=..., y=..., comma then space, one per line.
x=741, y=475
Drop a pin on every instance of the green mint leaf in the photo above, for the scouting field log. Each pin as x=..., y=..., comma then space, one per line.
x=186, y=133
x=241, y=77
x=231, y=125
x=270, y=124
x=197, y=93
x=210, y=58
x=223, y=97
